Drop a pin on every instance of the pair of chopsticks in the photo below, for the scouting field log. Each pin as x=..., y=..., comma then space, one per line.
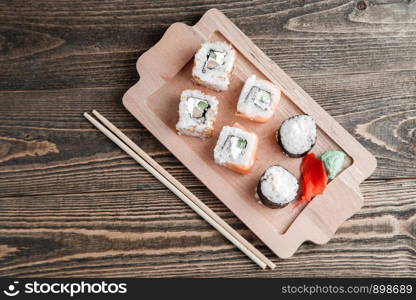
x=143, y=159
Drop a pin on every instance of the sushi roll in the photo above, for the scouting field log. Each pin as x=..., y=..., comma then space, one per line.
x=297, y=135
x=236, y=149
x=258, y=100
x=277, y=187
x=213, y=65
x=197, y=114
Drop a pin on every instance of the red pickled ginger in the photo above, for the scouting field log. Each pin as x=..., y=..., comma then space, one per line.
x=314, y=178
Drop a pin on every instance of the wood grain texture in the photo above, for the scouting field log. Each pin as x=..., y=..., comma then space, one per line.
x=72, y=204
x=136, y=234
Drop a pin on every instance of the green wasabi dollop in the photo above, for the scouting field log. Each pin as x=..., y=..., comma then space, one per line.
x=333, y=160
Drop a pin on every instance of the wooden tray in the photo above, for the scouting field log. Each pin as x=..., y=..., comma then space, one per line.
x=165, y=70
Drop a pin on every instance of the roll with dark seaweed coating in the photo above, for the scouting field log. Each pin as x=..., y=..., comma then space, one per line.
x=297, y=135
x=277, y=187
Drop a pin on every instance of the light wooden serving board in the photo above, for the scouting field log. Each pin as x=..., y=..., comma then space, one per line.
x=165, y=70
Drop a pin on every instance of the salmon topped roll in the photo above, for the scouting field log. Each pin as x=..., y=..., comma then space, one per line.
x=236, y=149
x=213, y=65
x=258, y=100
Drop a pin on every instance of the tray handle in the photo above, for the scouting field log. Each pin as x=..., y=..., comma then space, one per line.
x=169, y=53
x=321, y=217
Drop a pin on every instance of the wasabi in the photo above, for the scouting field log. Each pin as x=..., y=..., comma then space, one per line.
x=333, y=161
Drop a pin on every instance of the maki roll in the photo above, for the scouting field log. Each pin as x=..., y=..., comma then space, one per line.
x=236, y=149
x=213, y=65
x=197, y=113
x=258, y=100
x=297, y=135
x=277, y=187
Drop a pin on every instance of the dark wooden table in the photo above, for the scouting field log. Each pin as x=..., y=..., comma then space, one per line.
x=73, y=204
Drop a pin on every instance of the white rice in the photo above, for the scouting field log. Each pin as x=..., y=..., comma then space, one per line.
x=248, y=107
x=217, y=78
x=223, y=155
x=188, y=125
x=298, y=134
x=278, y=185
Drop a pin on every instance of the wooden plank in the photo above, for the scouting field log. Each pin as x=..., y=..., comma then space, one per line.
x=137, y=234
x=96, y=43
x=358, y=70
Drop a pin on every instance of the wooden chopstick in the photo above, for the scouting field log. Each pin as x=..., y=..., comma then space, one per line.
x=178, y=189
x=182, y=188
